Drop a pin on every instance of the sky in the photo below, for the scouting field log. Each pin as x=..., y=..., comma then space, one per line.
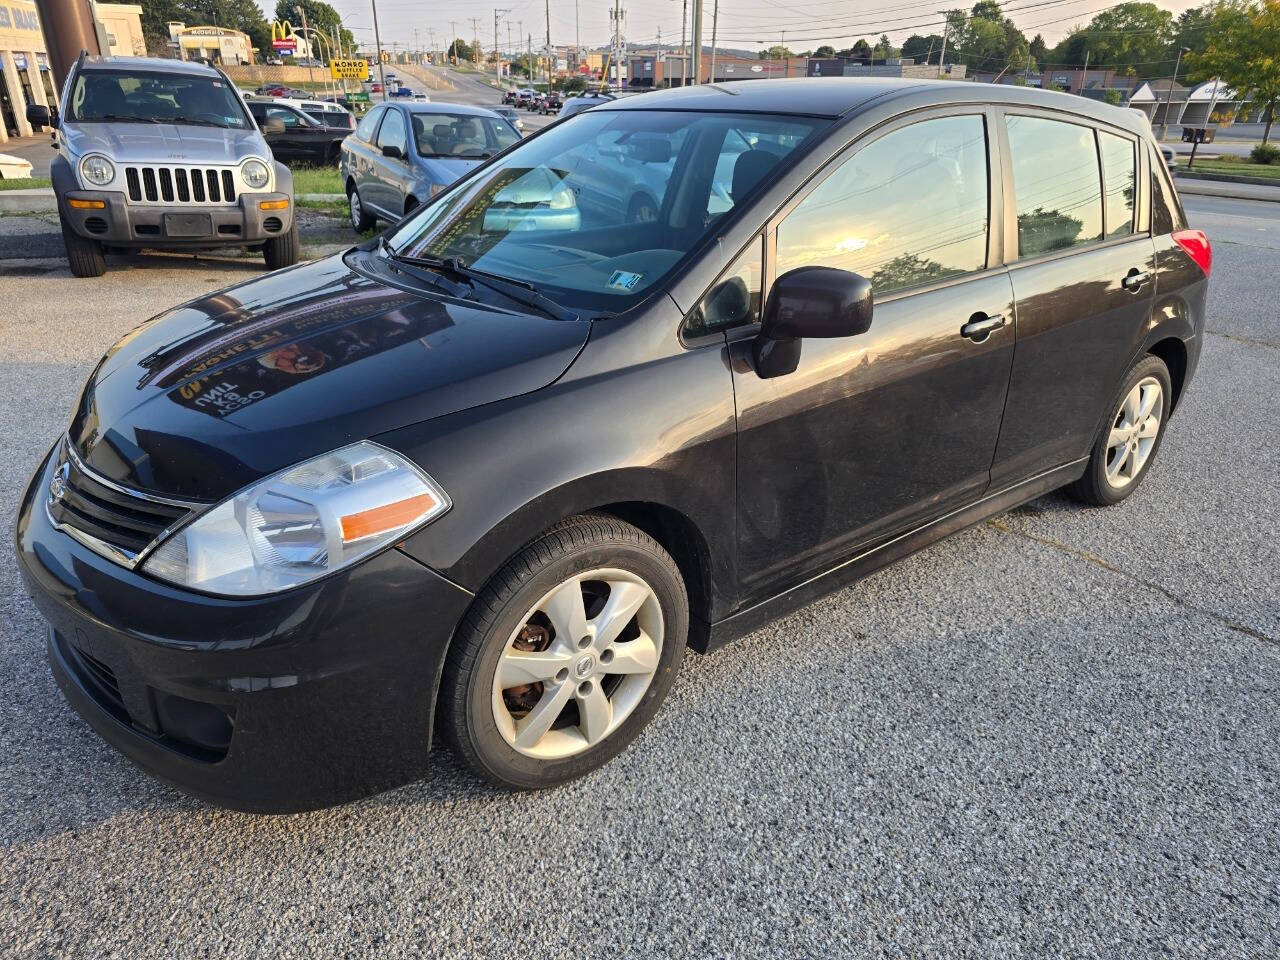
x=743, y=24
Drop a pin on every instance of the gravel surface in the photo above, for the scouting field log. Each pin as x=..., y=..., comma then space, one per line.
x=1051, y=735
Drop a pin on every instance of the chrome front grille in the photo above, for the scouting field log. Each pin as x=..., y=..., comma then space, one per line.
x=111, y=520
x=180, y=184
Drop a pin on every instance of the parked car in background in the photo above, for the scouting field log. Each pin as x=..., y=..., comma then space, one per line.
x=585, y=101
x=327, y=113
x=511, y=116
x=485, y=481
x=404, y=153
x=293, y=136
x=163, y=153
x=14, y=168
x=1170, y=158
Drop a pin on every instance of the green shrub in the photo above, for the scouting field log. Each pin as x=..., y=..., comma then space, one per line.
x=1265, y=153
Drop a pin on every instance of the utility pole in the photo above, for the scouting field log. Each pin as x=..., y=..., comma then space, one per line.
x=550, y=57
x=577, y=35
x=475, y=38
x=946, y=27
x=311, y=54
x=377, y=43
x=1164, y=122
x=715, y=17
x=684, y=44
x=697, y=41
x=1084, y=75
x=497, y=59
x=453, y=41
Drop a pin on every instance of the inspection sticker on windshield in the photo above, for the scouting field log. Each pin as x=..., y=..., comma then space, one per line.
x=622, y=280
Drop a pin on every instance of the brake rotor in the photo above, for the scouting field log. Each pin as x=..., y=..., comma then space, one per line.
x=532, y=638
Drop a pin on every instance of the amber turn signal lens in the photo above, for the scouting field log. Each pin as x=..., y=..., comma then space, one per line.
x=391, y=516
x=86, y=204
x=273, y=205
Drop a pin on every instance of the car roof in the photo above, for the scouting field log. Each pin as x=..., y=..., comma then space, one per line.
x=841, y=96
x=435, y=106
x=150, y=65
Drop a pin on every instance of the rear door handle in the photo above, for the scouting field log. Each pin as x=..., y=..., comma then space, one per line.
x=980, y=326
x=1135, y=279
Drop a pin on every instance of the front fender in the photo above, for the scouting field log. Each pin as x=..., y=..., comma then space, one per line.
x=284, y=179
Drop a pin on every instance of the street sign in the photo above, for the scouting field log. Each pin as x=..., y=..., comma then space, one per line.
x=287, y=43
x=357, y=96
x=349, y=69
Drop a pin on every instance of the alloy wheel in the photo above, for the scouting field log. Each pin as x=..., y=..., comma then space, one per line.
x=357, y=211
x=1134, y=431
x=578, y=664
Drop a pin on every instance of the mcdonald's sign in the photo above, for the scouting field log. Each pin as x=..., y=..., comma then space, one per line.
x=282, y=36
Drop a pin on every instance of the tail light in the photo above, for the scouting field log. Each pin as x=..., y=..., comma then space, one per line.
x=1196, y=244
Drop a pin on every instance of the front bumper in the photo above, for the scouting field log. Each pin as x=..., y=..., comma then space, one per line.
x=299, y=700
x=120, y=223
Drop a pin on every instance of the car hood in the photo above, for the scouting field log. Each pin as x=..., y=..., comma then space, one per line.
x=228, y=388
x=163, y=142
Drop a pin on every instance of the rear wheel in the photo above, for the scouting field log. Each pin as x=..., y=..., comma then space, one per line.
x=1130, y=437
x=642, y=210
x=84, y=255
x=361, y=220
x=566, y=655
x=282, y=251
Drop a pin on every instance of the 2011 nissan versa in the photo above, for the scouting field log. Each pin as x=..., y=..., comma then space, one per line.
x=497, y=468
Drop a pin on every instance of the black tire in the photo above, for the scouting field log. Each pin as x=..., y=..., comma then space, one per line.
x=84, y=255
x=1094, y=488
x=573, y=546
x=282, y=251
x=360, y=218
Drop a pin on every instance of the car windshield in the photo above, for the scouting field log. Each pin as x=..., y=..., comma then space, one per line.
x=599, y=208
x=460, y=135
x=109, y=95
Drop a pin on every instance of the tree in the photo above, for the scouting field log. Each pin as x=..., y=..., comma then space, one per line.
x=776, y=52
x=1192, y=28
x=1137, y=35
x=1244, y=52
x=825, y=50
x=923, y=49
x=884, y=49
x=1038, y=49
x=861, y=50
x=986, y=39
x=459, y=50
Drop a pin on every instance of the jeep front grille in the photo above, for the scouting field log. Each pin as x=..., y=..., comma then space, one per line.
x=202, y=185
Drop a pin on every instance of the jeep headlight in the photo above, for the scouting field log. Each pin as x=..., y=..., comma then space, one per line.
x=97, y=170
x=302, y=523
x=255, y=174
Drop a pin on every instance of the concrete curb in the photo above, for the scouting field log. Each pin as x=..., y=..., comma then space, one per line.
x=28, y=201
x=1230, y=178
x=1206, y=187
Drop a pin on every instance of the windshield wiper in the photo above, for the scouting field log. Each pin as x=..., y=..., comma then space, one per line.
x=435, y=279
x=197, y=123
x=119, y=118
x=521, y=291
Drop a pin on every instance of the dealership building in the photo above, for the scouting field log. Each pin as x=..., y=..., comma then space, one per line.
x=25, y=77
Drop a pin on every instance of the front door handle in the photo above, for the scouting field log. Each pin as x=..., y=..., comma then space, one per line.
x=1135, y=279
x=980, y=326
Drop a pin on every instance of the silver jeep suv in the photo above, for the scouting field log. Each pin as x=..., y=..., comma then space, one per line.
x=163, y=153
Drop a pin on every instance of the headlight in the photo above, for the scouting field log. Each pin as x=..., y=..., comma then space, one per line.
x=97, y=170
x=255, y=174
x=301, y=523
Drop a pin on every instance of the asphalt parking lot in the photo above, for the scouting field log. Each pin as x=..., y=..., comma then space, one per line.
x=1051, y=735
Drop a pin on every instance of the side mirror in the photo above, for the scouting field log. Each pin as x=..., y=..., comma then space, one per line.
x=650, y=149
x=38, y=115
x=392, y=151
x=273, y=125
x=809, y=302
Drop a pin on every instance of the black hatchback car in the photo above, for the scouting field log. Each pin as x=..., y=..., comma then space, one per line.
x=493, y=471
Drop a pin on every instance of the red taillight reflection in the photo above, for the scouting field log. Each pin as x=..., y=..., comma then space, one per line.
x=1197, y=246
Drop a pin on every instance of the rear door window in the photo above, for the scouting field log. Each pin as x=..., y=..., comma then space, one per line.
x=1120, y=181
x=907, y=209
x=1056, y=184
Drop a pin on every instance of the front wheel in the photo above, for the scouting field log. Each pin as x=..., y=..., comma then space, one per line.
x=83, y=255
x=566, y=655
x=1129, y=438
x=282, y=251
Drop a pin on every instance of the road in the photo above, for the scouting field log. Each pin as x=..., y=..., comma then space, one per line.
x=1051, y=735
